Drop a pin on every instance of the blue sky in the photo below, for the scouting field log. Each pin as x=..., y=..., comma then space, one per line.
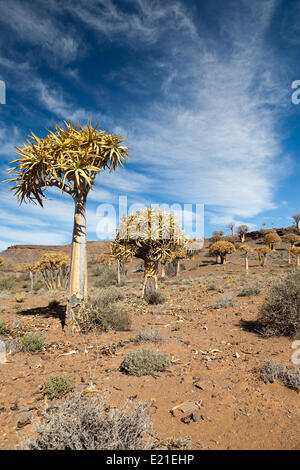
x=202, y=88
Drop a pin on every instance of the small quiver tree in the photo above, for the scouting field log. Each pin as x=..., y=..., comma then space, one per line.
x=151, y=235
x=1, y=261
x=32, y=271
x=69, y=159
x=263, y=252
x=231, y=226
x=220, y=250
x=295, y=252
x=242, y=230
x=246, y=249
x=54, y=268
x=177, y=256
x=271, y=239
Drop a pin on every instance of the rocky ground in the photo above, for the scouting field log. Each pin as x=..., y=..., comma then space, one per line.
x=203, y=323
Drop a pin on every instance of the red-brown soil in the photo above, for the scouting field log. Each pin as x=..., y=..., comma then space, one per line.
x=239, y=411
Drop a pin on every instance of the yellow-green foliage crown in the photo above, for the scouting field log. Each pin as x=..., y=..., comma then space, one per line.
x=68, y=158
x=149, y=234
x=221, y=248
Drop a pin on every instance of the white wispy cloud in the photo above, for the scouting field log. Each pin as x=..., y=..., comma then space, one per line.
x=32, y=23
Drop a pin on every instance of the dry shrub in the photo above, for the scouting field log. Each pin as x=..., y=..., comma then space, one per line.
x=271, y=371
x=7, y=283
x=280, y=313
x=144, y=362
x=151, y=336
x=104, y=312
x=106, y=276
x=224, y=301
x=154, y=298
x=250, y=290
x=58, y=386
x=87, y=423
x=33, y=342
x=3, y=327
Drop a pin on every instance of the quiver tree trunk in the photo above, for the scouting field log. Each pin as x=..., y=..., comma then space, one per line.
x=163, y=270
x=178, y=267
x=119, y=271
x=246, y=264
x=78, y=270
x=150, y=279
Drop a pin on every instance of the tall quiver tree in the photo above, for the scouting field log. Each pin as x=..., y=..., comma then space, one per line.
x=70, y=159
x=151, y=235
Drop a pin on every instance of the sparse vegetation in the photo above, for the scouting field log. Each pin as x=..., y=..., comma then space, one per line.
x=88, y=423
x=33, y=341
x=58, y=385
x=144, y=362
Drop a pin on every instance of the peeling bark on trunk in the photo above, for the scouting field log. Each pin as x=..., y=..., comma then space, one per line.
x=178, y=267
x=78, y=270
x=246, y=264
x=119, y=272
x=150, y=279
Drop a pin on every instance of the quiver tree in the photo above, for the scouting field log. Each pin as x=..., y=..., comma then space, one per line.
x=1, y=261
x=69, y=159
x=246, y=249
x=291, y=239
x=262, y=252
x=151, y=235
x=194, y=247
x=32, y=271
x=296, y=218
x=271, y=239
x=177, y=256
x=220, y=250
x=218, y=233
x=234, y=239
x=54, y=268
x=242, y=230
x=295, y=252
x=231, y=226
